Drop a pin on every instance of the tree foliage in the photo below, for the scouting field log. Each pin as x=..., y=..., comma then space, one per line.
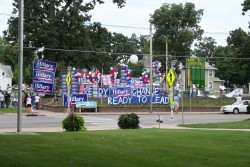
x=178, y=25
x=61, y=28
x=205, y=47
x=231, y=60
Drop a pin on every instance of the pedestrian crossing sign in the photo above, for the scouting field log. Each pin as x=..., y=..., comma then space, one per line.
x=171, y=77
x=68, y=79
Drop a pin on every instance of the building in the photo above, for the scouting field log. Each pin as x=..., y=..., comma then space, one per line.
x=210, y=80
x=6, y=76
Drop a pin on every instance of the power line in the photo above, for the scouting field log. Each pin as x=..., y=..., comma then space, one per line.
x=122, y=26
x=116, y=53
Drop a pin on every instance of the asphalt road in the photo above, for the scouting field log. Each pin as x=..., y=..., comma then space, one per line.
x=109, y=121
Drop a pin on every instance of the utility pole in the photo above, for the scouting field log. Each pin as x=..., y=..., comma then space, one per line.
x=166, y=86
x=151, y=73
x=20, y=66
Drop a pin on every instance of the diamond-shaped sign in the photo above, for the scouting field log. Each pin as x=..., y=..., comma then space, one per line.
x=171, y=77
x=68, y=79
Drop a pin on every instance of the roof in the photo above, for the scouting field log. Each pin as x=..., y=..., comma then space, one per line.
x=209, y=67
x=7, y=69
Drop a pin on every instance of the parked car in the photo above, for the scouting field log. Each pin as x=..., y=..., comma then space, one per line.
x=237, y=107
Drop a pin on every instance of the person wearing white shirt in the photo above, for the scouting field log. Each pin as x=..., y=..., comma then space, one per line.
x=28, y=104
x=238, y=98
x=37, y=101
x=222, y=88
x=9, y=89
x=177, y=89
x=194, y=91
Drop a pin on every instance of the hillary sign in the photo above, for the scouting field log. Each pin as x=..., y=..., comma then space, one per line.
x=43, y=76
x=138, y=100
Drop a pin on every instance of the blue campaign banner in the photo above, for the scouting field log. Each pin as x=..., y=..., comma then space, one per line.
x=120, y=91
x=74, y=98
x=143, y=91
x=137, y=100
x=40, y=64
x=43, y=76
x=140, y=91
x=42, y=87
x=104, y=92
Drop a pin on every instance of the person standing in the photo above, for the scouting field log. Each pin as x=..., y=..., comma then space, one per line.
x=176, y=103
x=9, y=89
x=177, y=89
x=25, y=99
x=32, y=96
x=28, y=104
x=238, y=98
x=14, y=100
x=7, y=99
x=222, y=88
x=194, y=90
x=1, y=99
x=37, y=101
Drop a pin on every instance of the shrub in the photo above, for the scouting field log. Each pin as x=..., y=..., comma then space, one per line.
x=128, y=121
x=73, y=122
x=248, y=109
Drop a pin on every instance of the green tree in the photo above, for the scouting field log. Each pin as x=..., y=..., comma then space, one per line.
x=239, y=42
x=177, y=24
x=59, y=27
x=222, y=59
x=205, y=47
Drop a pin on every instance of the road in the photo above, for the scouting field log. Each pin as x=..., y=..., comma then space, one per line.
x=46, y=121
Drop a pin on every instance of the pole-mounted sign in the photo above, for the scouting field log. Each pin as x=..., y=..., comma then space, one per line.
x=171, y=77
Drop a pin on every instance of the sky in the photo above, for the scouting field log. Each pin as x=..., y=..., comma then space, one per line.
x=219, y=17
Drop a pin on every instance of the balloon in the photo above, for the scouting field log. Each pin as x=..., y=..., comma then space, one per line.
x=133, y=59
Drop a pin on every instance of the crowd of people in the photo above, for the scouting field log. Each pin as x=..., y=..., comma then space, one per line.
x=31, y=101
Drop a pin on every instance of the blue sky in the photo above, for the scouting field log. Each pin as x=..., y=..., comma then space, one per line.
x=220, y=16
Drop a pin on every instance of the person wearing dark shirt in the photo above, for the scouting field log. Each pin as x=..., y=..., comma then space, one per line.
x=7, y=99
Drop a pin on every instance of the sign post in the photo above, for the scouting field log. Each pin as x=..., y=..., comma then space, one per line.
x=68, y=81
x=171, y=79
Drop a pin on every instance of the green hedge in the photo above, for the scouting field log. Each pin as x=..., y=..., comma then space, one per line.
x=73, y=122
x=128, y=121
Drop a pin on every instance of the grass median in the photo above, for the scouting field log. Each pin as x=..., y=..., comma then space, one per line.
x=245, y=124
x=123, y=148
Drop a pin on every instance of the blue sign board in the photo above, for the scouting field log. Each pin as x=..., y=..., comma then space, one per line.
x=42, y=87
x=44, y=65
x=43, y=76
x=75, y=98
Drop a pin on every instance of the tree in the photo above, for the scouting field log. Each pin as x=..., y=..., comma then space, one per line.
x=176, y=24
x=205, y=47
x=59, y=27
x=239, y=41
x=233, y=61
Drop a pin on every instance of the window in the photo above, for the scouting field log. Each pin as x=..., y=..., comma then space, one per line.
x=210, y=85
x=3, y=73
x=210, y=73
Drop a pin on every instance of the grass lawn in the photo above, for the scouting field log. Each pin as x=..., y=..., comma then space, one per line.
x=9, y=110
x=127, y=148
x=227, y=125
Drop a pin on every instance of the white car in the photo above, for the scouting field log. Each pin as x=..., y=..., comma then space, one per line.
x=237, y=107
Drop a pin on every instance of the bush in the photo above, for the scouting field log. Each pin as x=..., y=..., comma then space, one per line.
x=248, y=109
x=128, y=121
x=73, y=122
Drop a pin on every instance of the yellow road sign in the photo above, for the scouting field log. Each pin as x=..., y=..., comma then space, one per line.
x=171, y=77
x=68, y=79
